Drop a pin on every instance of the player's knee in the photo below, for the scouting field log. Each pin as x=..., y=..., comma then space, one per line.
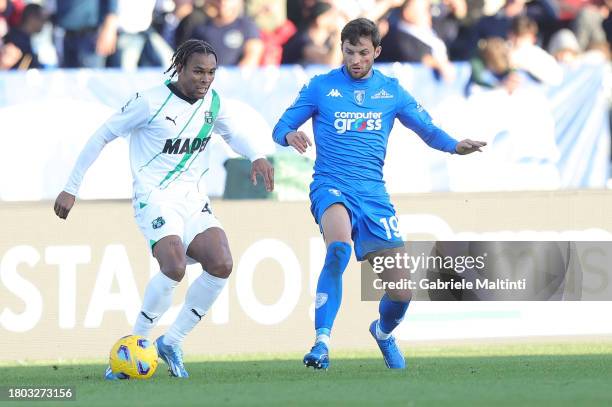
x=221, y=268
x=175, y=271
x=174, y=266
x=337, y=257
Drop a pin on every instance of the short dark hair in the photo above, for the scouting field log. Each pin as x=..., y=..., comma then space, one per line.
x=184, y=51
x=360, y=27
x=32, y=10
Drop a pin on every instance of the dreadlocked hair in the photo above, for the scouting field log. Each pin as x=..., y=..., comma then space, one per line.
x=184, y=51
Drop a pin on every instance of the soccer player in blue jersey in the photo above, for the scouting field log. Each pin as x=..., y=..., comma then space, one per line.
x=353, y=109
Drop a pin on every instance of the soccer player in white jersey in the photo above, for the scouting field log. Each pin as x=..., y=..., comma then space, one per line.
x=169, y=127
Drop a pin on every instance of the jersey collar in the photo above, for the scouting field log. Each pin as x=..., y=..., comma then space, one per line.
x=174, y=89
x=349, y=77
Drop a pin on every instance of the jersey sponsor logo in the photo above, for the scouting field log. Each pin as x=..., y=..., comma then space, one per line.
x=171, y=119
x=182, y=146
x=334, y=93
x=334, y=191
x=359, y=96
x=382, y=94
x=158, y=223
x=357, y=121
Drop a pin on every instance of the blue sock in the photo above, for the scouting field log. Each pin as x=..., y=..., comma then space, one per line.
x=329, y=287
x=391, y=313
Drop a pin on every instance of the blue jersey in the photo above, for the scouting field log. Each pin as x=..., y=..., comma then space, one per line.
x=352, y=120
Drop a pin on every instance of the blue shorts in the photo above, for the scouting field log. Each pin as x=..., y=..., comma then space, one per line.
x=373, y=222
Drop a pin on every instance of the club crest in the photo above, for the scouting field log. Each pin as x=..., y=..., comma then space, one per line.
x=359, y=96
x=208, y=117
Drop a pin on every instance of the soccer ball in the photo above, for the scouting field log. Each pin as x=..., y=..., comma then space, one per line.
x=133, y=357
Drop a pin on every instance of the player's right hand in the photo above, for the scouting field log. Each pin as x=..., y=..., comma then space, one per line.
x=63, y=204
x=298, y=140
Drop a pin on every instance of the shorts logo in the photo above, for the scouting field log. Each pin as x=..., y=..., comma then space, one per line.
x=359, y=96
x=320, y=300
x=334, y=191
x=158, y=223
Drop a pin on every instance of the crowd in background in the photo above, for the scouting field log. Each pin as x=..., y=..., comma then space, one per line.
x=500, y=38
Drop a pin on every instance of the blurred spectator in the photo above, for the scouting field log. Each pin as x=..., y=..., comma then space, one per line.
x=529, y=57
x=544, y=12
x=171, y=18
x=9, y=55
x=412, y=39
x=275, y=29
x=189, y=23
x=4, y=12
x=568, y=9
x=235, y=37
x=298, y=12
x=564, y=46
x=491, y=68
x=90, y=31
x=17, y=51
x=319, y=41
x=589, y=23
x=137, y=39
x=133, y=21
x=10, y=15
x=447, y=20
x=371, y=9
x=498, y=25
x=475, y=11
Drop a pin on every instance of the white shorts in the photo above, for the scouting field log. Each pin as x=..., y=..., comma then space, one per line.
x=179, y=213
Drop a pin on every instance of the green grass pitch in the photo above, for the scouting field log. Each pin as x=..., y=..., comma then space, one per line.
x=521, y=374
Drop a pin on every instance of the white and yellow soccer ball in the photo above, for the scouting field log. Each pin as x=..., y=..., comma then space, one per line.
x=133, y=357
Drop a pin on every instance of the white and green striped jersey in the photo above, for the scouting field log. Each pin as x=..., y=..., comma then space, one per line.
x=168, y=136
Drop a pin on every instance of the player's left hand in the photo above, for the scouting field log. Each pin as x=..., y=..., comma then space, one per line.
x=265, y=169
x=468, y=146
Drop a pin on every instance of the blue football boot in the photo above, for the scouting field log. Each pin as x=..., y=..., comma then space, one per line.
x=109, y=375
x=173, y=356
x=318, y=357
x=390, y=351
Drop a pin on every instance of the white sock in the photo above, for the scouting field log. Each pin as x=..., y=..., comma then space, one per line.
x=200, y=297
x=380, y=334
x=157, y=300
x=323, y=338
